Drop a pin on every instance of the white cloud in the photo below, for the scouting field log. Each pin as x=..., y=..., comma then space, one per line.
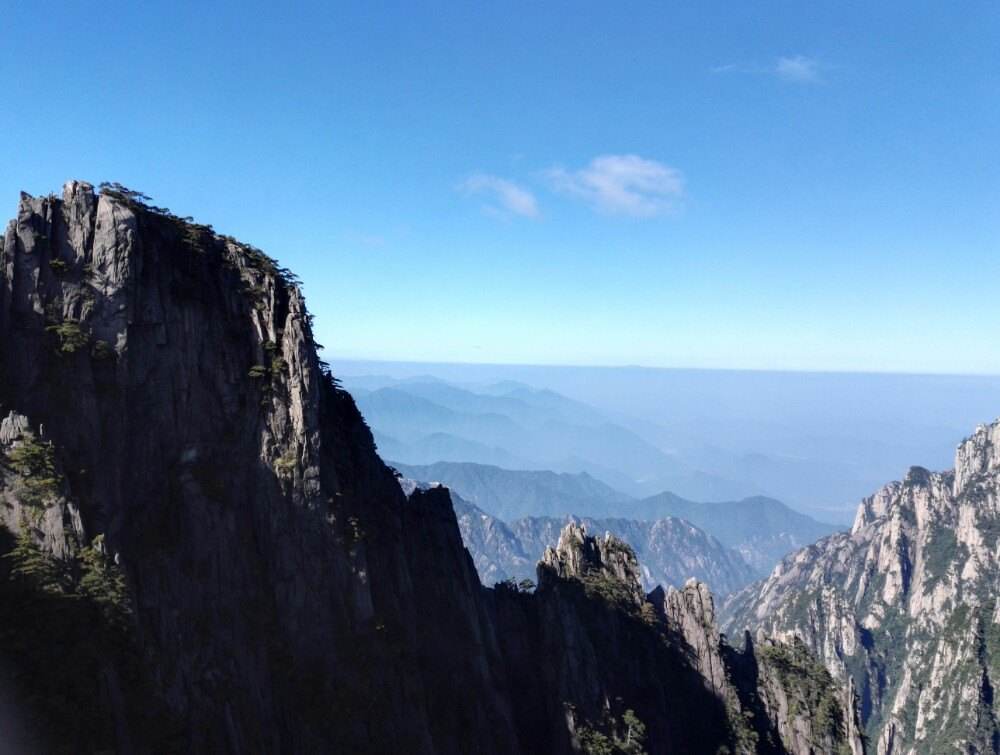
x=795, y=69
x=798, y=69
x=504, y=196
x=623, y=185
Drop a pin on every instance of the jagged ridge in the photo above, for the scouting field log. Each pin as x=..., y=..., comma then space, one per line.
x=904, y=607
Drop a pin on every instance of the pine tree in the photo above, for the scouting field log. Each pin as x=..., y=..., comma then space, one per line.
x=103, y=582
x=32, y=565
x=635, y=733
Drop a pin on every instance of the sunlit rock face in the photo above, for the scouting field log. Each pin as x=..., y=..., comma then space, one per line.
x=905, y=605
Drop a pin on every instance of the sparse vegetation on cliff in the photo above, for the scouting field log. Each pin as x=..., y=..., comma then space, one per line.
x=810, y=689
x=34, y=463
x=72, y=336
x=613, y=736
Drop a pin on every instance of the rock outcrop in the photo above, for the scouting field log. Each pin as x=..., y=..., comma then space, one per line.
x=670, y=550
x=718, y=699
x=607, y=559
x=903, y=608
x=204, y=553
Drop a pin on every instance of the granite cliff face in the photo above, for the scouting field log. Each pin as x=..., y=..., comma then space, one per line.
x=203, y=551
x=903, y=608
x=284, y=594
x=779, y=700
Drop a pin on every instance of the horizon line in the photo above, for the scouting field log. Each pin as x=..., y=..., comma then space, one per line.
x=661, y=368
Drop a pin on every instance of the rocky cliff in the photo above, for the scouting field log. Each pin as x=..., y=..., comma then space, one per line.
x=780, y=700
x=163, y=394
x=203, y=551
x=903, y=608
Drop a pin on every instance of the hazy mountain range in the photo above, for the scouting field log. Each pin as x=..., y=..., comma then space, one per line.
x=761, y=529
x=511, y=494
x=670, y=550
x=536, y=504
x=816, y=441
x=424, y=420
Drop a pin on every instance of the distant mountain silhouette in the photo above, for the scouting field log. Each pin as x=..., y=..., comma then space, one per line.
x=422, y=420
x=511, y=494
x=762, y=530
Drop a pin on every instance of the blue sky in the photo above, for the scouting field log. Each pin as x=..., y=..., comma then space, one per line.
x=750, y=185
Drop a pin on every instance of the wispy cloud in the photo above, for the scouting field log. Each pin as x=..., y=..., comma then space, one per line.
x=798, y=69
x=623, y=185
x=503, y=196
x=795, y=69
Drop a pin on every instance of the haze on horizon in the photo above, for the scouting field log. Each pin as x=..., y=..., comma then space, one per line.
x=719, y=185
x=819, y=442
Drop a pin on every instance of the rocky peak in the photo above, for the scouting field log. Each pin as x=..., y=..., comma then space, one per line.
x=694, y=600
x=197, y=517
x=979, y=454
x=578, y=555
x=779, y=700
x=691, y=612
x=903, y=608
x=190, y=429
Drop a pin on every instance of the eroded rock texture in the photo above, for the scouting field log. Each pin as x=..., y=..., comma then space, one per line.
x=904, y=607
x=205, y=553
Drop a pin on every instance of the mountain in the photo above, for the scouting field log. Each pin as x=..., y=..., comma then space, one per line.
x=411, y=415
x=518, y=402
x=435, y=446
x=904, y=607
x=778, y=698
x=509, y=494
x=762, y=530
x=670, y=551
x=202, y=552
x=421, y=420
x=498, y=553
x=819, y=442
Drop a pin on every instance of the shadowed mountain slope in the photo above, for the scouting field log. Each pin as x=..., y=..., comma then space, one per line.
x=203, y=552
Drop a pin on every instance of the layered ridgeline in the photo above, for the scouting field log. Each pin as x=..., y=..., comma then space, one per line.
x=761, y=529
x=512, y=494
x=424, y=420
x=670, y=551
x=203, y=552
x=904, y=607
x=535, y=504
